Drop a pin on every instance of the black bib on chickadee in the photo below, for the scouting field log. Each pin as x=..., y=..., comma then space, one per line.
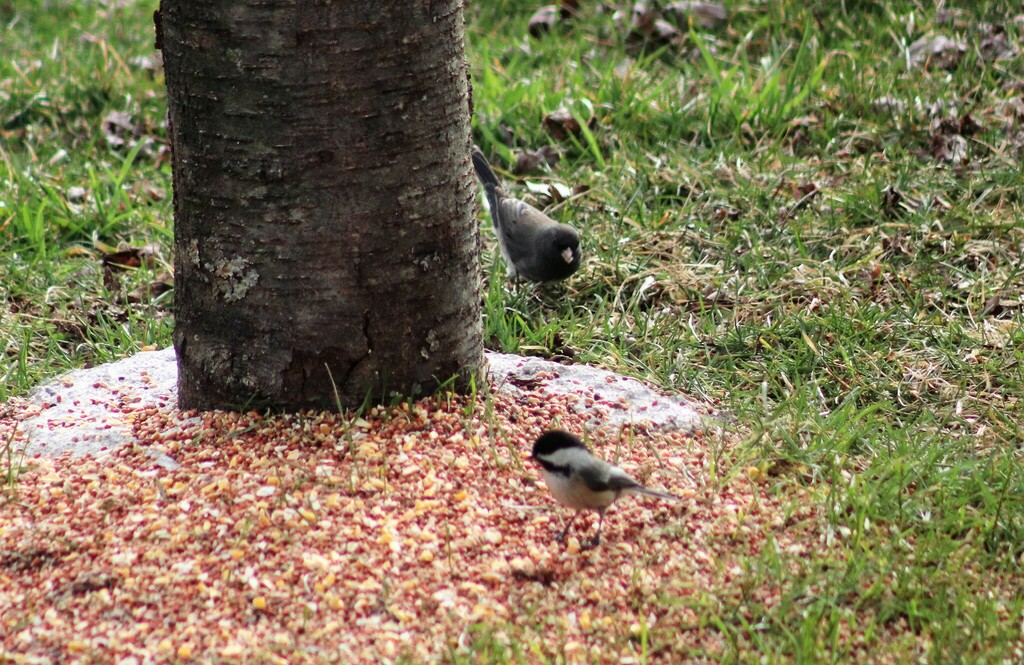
x=580, y=481
x=533, y=245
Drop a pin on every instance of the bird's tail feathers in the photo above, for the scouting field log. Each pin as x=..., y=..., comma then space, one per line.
x=483, y=170
x=492, y=188
x=640, y=489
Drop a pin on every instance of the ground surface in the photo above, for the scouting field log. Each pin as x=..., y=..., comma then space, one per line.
x=412, y=531
x=808, y=214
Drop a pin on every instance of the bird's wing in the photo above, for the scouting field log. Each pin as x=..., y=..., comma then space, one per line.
x=515, y=229
x=603, y=477
x=511, y=213
x=608, y=478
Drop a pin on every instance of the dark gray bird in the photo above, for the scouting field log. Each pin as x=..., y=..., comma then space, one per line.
x=533, y=245
x=580, y=481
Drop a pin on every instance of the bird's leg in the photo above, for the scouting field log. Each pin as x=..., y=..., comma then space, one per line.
x=572, y=519
x=600, y=522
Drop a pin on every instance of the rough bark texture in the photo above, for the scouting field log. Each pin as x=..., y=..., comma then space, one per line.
x=323, y=200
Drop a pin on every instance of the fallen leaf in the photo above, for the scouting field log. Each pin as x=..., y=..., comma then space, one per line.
x=129, y=258
x=148, y=64
x=75, y=194
x=118, y=128
x=890, y=105
x=561, y=124
x=154, y=289
x=997, y=47
x=937, y=51
x=544, y=20
x=949, y=148
x=896, y=204
x=648, y=30
x=149, y=192
x=531, y=161
x=706, y=15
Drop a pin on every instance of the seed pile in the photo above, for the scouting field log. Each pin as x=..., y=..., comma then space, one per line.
x=413, y=532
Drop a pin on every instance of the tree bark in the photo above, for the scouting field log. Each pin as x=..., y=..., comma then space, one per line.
x=324, y=204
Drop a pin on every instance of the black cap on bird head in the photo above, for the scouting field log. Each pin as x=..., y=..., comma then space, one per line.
x=555, y=440
x=559, y=253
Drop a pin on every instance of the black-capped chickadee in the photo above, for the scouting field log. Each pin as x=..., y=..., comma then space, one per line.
x=580, y=481
x=533, y=245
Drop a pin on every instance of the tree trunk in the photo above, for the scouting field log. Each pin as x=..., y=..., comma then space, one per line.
x=323, y=200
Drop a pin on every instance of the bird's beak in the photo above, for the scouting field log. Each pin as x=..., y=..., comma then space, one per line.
x=567, y=254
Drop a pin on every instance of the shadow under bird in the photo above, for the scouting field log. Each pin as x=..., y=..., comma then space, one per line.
x=580, y=481
x=533, y=245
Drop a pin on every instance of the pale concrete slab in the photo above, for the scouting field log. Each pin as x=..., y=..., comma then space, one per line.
x=613, y=400
x=92, y=411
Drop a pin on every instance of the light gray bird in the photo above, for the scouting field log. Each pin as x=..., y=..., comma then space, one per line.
x=533, y=245
x=580, y=481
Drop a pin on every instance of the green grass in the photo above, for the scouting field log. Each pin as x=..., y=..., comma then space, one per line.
x=871, y=343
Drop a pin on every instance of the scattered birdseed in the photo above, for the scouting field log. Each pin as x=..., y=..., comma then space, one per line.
x=406, y=534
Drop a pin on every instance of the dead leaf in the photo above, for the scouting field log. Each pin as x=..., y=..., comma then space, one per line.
x=544, y=20
x=647, y=29
x=706, y=15
x=150, y=65
x=937, y=51
x=531, y=161
x=804, y=121
x=561, y=124
x=118, y=128
x=162, y=284
x=890, y=105
x=997, y=46
x=665, y=33
x=804, y=193
x=129, y=258
x=896, y=204
x=965, y=125
x=947, y=140
x=997, y=304
x=505, y=134
x=147, y=191
x=956, y=18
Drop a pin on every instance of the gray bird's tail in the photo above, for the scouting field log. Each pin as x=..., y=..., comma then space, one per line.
x=489, y=181
x=640, y=489
x=483, y=169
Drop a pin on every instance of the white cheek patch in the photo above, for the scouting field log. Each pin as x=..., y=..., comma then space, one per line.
x=567, y=255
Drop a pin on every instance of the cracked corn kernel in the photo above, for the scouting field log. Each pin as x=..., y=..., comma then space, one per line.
x=259, y=602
